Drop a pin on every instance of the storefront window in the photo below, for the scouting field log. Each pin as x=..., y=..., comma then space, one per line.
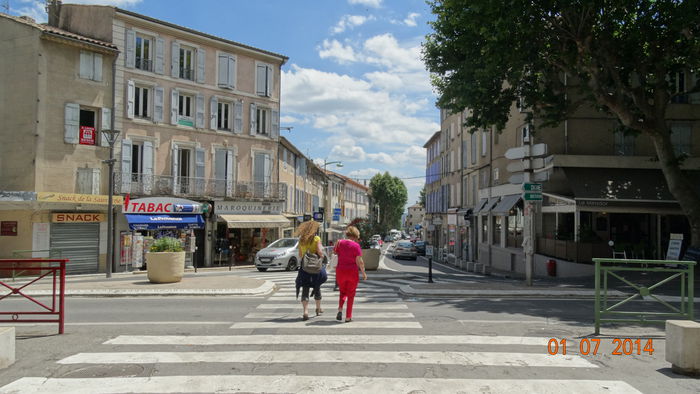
x=497, y=223
x=515, y=228
x=484, y=229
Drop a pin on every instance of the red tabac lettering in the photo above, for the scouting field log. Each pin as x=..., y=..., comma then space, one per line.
x=168, y=207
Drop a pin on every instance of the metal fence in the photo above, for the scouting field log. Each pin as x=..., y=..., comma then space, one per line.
x=617, y=268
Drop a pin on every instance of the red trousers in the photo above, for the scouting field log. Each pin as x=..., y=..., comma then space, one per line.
x=347, y=284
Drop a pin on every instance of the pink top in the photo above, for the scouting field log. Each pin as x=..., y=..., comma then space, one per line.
x=347, y=252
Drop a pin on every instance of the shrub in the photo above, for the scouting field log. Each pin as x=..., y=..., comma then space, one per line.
x=166, y=244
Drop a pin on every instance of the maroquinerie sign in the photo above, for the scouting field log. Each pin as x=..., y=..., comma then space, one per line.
x=248, y=207
x=77, y=217
x=161, y=205
x=97, y=199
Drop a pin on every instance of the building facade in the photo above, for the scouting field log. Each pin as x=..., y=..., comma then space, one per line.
x=414, y=218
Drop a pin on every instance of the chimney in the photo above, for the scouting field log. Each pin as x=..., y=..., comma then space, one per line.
x=53, y=9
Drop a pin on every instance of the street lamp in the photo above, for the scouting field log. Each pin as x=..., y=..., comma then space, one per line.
x=111, y=137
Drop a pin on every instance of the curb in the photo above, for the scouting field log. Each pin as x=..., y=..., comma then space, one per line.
x=266, y=288
x=407, y=290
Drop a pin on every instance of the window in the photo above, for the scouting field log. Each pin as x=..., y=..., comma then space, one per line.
x=136, y=161
x=88, y=181
x=525, y=134
x=144, y=53
x=484, y=142
x=223, y=172
x=87, y=127
x=142, y=102
x=223, y=116
x=678, y=87
x=90, y=66
x=186, y=63
x=262, y=119
x=184, y=110
x=681, y=138
x=473, y=146
x=263, y=80
x=227, y=71
x=624, y=144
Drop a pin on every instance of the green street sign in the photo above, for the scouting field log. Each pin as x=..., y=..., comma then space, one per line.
x=532, y=196
x=532, y=187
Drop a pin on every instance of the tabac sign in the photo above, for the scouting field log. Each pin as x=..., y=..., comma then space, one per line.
x=77, y=217
x=153, y=205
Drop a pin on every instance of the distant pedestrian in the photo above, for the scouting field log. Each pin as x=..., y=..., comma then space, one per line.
x=346, y=273
x=309, y=241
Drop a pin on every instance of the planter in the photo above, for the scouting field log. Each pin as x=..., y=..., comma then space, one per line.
x=371, y=259
x=165, y=267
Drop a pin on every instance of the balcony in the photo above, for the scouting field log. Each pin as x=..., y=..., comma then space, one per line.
x=166, y=185
x=144, y=64
x=187, y=73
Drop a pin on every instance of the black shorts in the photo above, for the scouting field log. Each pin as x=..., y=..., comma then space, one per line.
x=305, y=293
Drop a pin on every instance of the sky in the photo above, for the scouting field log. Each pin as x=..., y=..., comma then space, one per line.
x=354, y=88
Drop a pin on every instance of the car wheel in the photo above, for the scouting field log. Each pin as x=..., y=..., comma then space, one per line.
x=292, y=265
x=261, y=269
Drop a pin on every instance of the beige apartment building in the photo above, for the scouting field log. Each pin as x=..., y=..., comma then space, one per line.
x=56, y=96
x=199, y=122
x=414, y=218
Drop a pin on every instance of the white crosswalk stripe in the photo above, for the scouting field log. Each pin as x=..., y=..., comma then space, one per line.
x=296, y=306
x=332, y=324
x=361, y=315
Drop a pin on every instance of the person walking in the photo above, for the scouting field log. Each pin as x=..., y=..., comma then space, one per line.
x=310, y=242
x=346, y=273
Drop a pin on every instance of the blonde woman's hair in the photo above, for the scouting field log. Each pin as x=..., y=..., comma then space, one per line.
x=352, y=232
x=307, y=231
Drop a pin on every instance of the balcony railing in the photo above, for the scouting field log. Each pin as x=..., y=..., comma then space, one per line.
x=166, y=185
x=187, y=73
x=144, y=64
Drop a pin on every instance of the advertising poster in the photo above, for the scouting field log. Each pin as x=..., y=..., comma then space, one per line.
x=87, y=135
x=137, y=251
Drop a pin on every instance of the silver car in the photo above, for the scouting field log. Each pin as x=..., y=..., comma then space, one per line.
x=282, y=253
x=404, y=249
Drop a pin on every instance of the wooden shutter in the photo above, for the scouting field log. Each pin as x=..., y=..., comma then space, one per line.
x=238, y=116
x=231, y=72
x=147, y=167
x=97, y=67
x=72, y=123
x=201, y=60
x=260, y=79
x=85, y=65
x=105, y=124
x=130, y=95
x=126, y=166
x=275, y=128
x=220, y=172
x=268, y=84
x=174, y=99
x=229, y=173
x=175, y=169
x=158, y=104
x=223, y=77
x=213, y=112
x=130, y=52
x=253, y=121
x=199, y=111
x=259, y=168
x=160, y=56
x=199, y=153
x=175, y=60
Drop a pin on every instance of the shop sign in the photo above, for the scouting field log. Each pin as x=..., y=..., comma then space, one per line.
x=318, y=216
x=162, y=205
x=8, y=228
x=78, y=217
x=96, y=199
x=248, y=207
x=87, y=135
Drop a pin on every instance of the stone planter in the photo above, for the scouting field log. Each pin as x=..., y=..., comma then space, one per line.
x=371, y=258
x=165, y=267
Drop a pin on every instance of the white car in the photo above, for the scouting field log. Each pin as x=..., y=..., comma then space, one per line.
x=282, y=253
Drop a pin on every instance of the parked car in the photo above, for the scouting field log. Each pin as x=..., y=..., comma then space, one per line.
x=404, y=249
x=388, y=238
x=420, y=248
x=374, y=244
x=282, y=253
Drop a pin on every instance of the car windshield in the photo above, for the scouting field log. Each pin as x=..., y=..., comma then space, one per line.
x=420, y=243
x=405, y=244
x=284, y=243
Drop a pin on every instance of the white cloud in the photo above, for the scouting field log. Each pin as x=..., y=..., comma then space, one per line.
x=335, y=50
x=368, y=3
x=292, y=119
x=385, y=50
x=348, y=153
x=349, y=22
x=366, y=173
x=411, y=19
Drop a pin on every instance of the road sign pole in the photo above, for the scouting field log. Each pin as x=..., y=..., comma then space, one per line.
x=528, y=228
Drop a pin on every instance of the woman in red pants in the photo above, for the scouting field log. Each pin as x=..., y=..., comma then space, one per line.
x=346, y=273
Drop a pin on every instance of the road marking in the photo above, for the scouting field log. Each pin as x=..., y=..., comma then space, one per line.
x=359, y=290
x=327, y=323
x=310, y=384
x=193, y=340
x=359, y=315
x=131, y=323
x=297, y=305
x=357, y=299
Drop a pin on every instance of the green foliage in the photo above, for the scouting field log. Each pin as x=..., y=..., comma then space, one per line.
x=390, y=195
x=367, y=228
x=421, y=197
x=166, y=244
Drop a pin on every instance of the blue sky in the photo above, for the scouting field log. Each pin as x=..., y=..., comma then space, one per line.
x=354, y=88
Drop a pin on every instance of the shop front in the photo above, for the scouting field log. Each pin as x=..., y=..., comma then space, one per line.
x=245, y=227
x=155, y=217
x=76, y=236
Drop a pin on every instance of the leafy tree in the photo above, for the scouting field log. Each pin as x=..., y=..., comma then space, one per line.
x=390, y=195
x=421, y=197
x=619, y=56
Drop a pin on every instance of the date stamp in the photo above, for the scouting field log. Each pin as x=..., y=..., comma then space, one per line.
x=591, y=346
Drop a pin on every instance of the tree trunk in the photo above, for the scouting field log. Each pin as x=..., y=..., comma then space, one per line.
x=678, y=184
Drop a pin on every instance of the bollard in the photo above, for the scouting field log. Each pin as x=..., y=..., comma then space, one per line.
x=430, y=269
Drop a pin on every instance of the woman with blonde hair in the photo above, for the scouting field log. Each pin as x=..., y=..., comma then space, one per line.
x=310, y=242
x=346, y=273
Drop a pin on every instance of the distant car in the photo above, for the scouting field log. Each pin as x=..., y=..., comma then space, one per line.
x=404, y=249
x=420, y=248
x=282, y=253
x=388, y=238
x=374, y=245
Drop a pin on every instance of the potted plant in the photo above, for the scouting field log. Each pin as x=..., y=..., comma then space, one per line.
x=370, y=256
x=165, y=261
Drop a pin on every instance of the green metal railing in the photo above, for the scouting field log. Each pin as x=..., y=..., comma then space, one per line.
x=611, y=267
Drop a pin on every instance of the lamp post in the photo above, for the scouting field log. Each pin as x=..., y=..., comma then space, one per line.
x=111, y=137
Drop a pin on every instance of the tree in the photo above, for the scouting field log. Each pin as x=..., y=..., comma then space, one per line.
x=421, y=197
x=390, y=195
x=620, y=56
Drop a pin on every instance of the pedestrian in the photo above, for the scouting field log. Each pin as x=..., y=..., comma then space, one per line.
x=309, y=241
x=346, y=272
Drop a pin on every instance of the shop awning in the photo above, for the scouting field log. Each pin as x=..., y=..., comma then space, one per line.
x=488, y=206
x=506, y=204
x=255, y=221
x=480, y=205
x=164, y=222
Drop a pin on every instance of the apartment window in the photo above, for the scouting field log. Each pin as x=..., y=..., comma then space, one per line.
x=90, y=66
x=263, y=80
x=144, y=53
x=223, y=116
x=227, y=71
x=262, y=120
x=185, y=109
x=681, y=139
x=88, y=181
x=678, y=87
x=141, y=102
x=624, y=144
x=87, y=127
x=186, y=63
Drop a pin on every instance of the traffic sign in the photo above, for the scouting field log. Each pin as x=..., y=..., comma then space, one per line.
x=517, y=179
x=516, y=153
x=429, y=250
x=528, y=196
x=516, y=166
x=538, y=150
x=532, y=187
x=541, y=176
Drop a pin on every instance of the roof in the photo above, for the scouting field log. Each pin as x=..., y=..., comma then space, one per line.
x=433, y=137
x=348, y=180
x=56, y=32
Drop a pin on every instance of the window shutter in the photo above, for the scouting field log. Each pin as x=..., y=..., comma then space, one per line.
x=268, y=85
x=130, y=53
x=220, y=172
x=106, y=124
x=252, y=119
x=201, y=56
x=223, y=76
x=158, y=104
x=275, y=131
x=160, y=56
x=199, y=170
x=231, y=72
x=175, y=169
x=213, y=112
x=238, y=116
x=174, y=98
x=199, y=104
x=130, y=93
x=260, y=79
x=147, y=167
x=126, y=166
x=72, y=123
x=175, y=60
x=97, y=76
x=88, y=181
x=267, y=169
x=85, y=65
x=258, y=169
x=229, y=173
